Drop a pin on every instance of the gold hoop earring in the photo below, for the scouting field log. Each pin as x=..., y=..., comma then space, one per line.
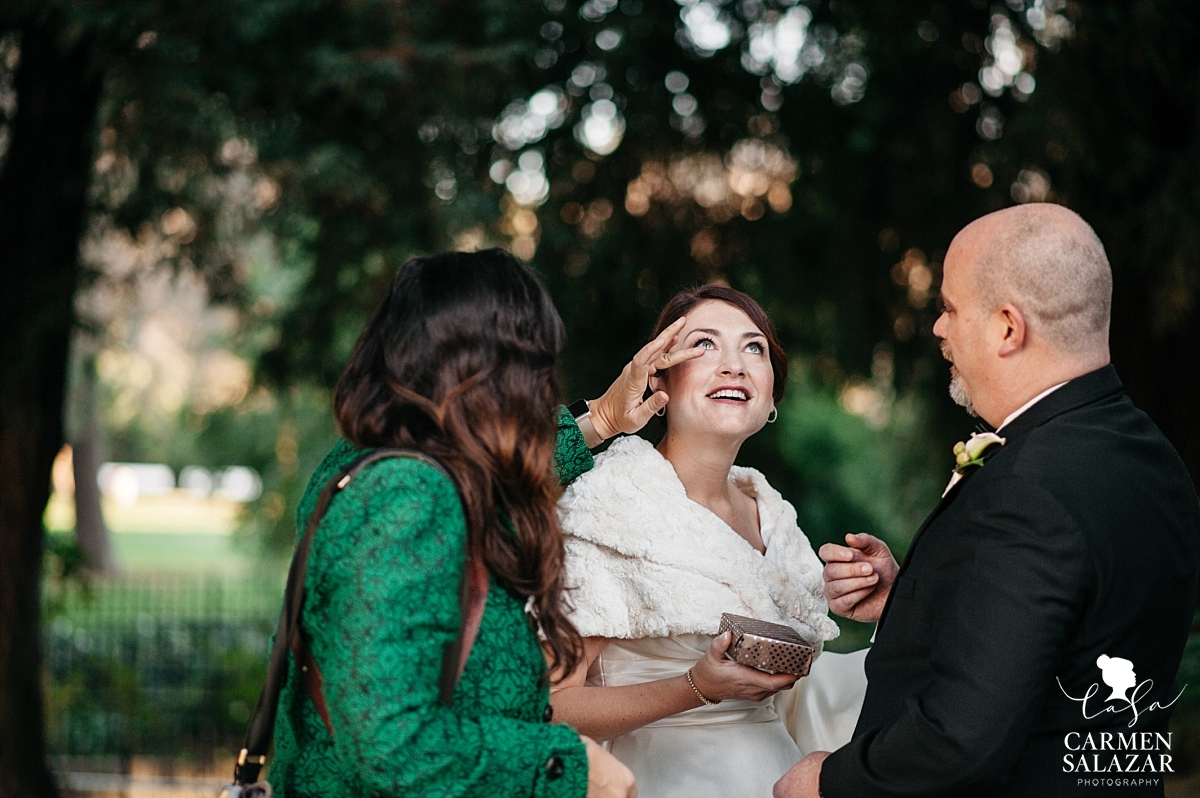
x=662, y=411
x=774, y=414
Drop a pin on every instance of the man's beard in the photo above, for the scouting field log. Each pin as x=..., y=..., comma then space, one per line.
x=958, y=391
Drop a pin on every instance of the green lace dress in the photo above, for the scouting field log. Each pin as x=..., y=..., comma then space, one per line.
x=381, y=605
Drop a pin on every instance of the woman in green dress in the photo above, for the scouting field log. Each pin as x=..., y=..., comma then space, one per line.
x=458, y=362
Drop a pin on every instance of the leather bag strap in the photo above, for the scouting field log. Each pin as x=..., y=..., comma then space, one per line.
x=288, y=636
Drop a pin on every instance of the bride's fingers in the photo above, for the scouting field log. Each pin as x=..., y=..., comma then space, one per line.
x=652, y=358
x=636, y=379
x=782, y=681
x=720, y=645
x=650, y=352
x=640, y=414
x=771, y=682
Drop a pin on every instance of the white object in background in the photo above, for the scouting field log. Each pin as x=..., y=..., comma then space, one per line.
x=125, y=482
x=197, y=481
x=239, y=484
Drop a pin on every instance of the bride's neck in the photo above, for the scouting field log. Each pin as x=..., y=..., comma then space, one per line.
x=702, y=465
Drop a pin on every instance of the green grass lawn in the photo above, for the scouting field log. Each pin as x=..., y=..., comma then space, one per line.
x=177, y=533
x=198, y=553
x=177, y=556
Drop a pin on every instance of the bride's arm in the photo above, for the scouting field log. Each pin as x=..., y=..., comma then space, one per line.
x=607, y=712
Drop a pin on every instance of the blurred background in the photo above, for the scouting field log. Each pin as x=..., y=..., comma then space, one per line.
x=200, y=203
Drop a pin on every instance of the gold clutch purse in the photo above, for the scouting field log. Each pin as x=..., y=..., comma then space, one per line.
x=769, y=647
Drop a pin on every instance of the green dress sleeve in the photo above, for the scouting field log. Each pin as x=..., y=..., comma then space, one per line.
x=571, y=456
x=381, y=608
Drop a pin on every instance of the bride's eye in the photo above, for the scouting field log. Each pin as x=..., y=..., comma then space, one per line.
x=756, y=348
x=706, y=343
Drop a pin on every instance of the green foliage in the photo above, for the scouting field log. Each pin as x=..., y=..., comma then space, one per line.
x=306, y=433
x=64, y=571
x=154, y=703
x=853, y=477
x=64, y=558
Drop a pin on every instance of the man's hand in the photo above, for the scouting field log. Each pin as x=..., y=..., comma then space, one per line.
x=804, y=779
x=858, y=577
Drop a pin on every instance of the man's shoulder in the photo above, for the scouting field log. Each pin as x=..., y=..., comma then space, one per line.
x=1105, y=464
x=1108, y=435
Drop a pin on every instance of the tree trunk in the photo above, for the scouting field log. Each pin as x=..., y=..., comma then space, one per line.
x=43, y=189
x=91, y=533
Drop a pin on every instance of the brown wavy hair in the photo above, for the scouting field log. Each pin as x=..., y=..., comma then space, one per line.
x=459, y=362
x=685, y=301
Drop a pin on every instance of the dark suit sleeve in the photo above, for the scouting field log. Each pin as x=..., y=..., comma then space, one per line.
x=1022, y=575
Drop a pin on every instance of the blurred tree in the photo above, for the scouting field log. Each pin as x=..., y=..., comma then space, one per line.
x=42, y=210
x=1116, y=121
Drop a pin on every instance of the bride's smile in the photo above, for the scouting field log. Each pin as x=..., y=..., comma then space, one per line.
x=727, y=390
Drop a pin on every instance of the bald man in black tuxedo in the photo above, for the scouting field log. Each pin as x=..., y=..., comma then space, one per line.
x=1029, y=644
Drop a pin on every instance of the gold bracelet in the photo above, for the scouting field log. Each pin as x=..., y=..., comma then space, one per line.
x=707, y=701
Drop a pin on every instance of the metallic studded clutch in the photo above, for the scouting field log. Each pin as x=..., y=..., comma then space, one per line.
x=769, y=647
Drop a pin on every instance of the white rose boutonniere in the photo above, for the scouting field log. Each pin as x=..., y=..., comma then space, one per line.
x=970, y=454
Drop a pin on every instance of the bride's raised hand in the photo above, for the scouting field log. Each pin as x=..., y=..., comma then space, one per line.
x=718, y=678
x=622, y=407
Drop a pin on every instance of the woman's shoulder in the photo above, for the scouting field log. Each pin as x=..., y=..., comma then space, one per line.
x=395, y=484
x=628, y=447
x=337, y=458
x=630, y=477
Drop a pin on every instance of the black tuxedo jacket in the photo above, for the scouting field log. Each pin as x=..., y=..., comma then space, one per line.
x=1080, y=537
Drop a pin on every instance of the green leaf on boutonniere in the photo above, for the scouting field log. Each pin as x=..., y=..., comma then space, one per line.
x=971, y=453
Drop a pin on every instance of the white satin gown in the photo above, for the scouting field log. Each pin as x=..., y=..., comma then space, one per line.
x=735, y=749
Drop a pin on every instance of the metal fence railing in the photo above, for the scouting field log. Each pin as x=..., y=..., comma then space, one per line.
x=156, y=665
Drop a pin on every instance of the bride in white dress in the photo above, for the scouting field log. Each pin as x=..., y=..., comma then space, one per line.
x=660, y=541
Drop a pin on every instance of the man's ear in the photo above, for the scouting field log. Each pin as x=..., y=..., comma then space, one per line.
x=1015, y=330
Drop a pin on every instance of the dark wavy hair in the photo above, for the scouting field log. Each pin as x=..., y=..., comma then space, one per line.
x=459, y=362
x=685, y=301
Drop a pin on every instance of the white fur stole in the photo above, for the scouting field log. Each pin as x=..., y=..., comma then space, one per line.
x=644, y=560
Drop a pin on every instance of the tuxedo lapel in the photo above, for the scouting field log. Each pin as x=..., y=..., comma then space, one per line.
x=945, y=501
x=1090, y=387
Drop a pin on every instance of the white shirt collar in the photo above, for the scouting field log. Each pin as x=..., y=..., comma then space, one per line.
x=1013, y=415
